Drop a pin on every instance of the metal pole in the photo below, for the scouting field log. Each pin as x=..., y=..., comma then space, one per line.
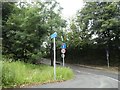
x=63, y=61
x=54, y=60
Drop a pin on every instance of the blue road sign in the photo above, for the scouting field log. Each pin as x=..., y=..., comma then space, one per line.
x=53, y=35
x=63, y=46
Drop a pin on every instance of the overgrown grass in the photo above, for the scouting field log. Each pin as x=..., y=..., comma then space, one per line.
x=18, y=73
x=0, y=72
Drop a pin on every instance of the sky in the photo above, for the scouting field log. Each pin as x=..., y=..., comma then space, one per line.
x=70, y=7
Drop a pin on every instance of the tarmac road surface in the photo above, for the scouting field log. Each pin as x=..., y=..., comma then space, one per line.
x=85, y=78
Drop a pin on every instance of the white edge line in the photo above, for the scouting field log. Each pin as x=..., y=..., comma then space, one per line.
x=98, y=75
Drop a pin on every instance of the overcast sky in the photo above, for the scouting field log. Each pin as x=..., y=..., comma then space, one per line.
x=70, y=7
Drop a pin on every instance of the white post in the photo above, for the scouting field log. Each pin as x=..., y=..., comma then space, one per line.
x=63, y=61
x=54, y=60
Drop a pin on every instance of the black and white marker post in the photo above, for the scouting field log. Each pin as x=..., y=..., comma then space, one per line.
x=54, y=35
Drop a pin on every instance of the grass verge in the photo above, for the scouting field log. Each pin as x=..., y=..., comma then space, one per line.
x=113, y=69
x=15, y=74
x=0, y=63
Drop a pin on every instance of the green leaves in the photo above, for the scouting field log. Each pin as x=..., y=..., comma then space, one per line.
x=28, y=27
x=99, y=18
x=23, y=32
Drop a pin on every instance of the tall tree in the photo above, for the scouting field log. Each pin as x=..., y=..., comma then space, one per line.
x=54, y=20
x=101, y=19
x=24, y=30
x=27, y=28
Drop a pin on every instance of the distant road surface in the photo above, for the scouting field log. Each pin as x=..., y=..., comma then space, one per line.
x=85, y=78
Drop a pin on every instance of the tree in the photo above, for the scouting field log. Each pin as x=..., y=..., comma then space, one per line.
x=7, y=9
x=28, y=26
x=55, y=22
x=24, y=30
x=101, y=19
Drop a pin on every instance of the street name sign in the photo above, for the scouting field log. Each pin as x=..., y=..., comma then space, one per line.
x=54, y=35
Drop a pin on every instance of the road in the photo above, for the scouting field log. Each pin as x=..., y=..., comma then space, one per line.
x=85, y=78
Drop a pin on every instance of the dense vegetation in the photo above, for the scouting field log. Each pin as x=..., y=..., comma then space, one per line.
x=26, y=26
x=16, y=74
x=95, y=36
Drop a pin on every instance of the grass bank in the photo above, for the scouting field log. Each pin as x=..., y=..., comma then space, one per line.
x=112, y=69
x=0, y=63
x=18, y=73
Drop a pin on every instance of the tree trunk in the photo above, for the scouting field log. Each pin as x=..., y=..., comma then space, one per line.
x=107, y=57
x=108, y=48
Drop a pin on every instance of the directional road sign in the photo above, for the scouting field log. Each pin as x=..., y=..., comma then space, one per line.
x=54, y=35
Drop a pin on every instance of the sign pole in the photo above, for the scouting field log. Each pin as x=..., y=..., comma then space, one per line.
x=54, y=60
x=63, y=61
x=54, y=35
x=63, y=47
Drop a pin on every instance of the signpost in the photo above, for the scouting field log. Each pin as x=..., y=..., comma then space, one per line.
x=63, y=47
x=63, y=56
x=54, y=35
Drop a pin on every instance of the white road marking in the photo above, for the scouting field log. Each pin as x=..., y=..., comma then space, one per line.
x=98, y=75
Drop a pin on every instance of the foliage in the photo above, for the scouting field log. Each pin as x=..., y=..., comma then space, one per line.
x=28, y=26
x=7, y=9
x=19, y=34
x=95, y=27
x=100, y=19
x=19, y=73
